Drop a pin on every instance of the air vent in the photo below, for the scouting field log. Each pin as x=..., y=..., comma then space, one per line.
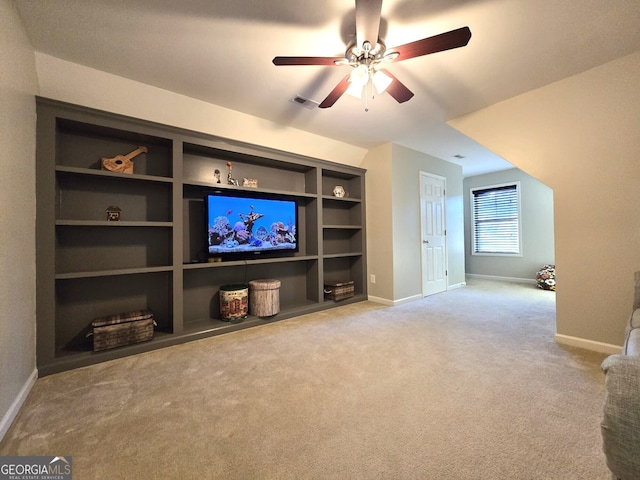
x=305, y=102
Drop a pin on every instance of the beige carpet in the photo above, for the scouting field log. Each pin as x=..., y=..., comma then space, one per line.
x=467, y=384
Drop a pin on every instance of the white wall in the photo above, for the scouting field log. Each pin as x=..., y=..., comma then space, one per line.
x=80, y=85
x=379, y=220
x=580, y=137
x=18, y=85
x=393, y=221
x=537, y=234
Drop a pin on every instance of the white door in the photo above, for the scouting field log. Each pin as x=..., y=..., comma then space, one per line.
x=434, y=241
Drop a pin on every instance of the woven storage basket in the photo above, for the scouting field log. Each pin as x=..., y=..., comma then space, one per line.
x=338, y=290
x=122, y=329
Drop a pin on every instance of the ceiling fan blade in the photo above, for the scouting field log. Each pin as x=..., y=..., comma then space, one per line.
x=330, y=61
x=336, y=93
x=368, y=21
x=438, y=43
x=397, y=89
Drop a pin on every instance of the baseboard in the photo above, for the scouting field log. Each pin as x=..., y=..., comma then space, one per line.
x=15, y=407
x=382, y=301
x=599, y=347
x=502, y=279
x=392, y=303
x=413, y=298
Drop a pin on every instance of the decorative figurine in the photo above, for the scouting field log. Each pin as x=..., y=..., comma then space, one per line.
x=339, y=191
x=250, y=182
x=113, y=213
x=230, y=179
x=216, y=174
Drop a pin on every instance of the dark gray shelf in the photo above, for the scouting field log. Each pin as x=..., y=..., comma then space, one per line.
x=112, y=273
x=108, y=174
x=333, y=198
x=89, y=267
x=355, y=299
x=342, y=255
x=104, y=223
x=241, y=263
x=82, y=356
x=222, y=186
x=342, y=227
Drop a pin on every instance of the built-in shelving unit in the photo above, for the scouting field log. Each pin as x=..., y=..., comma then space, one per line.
x=155, y=256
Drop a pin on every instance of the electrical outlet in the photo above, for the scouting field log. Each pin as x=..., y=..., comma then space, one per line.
x=373, y=279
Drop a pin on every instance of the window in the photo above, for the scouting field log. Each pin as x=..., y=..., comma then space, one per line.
x=496, y=220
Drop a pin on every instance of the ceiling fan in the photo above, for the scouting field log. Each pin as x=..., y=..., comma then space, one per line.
x=368, y=54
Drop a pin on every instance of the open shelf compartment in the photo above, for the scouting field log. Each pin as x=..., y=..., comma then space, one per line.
x=351, y=183
x=89, y=198
x=80, y=301
x=344, y=269
x=83, y=145
x=341, y=241
x=96, y=248
x=202, y=288
x=208, y=164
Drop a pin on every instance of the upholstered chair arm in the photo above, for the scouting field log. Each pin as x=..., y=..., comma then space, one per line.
x=621, y=421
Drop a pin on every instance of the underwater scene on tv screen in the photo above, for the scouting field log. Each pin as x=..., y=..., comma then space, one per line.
x=237, y=225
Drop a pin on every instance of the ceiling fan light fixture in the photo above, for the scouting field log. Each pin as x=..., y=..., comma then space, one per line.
x=359, y=76
x=355, y=90
x=381, y=81
x=357, y=80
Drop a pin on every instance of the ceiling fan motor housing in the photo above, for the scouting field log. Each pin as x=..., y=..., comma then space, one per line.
x=367, y=54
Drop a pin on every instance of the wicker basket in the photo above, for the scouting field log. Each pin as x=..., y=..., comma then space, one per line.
x=122, y=329
x=338, y=290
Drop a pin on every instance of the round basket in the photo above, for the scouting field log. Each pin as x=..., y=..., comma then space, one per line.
x=234, y=302
x=264, y=297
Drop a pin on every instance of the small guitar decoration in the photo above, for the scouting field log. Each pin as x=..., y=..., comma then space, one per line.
x=122, y=163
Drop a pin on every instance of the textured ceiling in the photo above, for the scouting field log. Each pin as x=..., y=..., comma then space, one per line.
x=221, y=51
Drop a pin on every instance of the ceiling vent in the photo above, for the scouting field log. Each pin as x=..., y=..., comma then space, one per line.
x=305, y=102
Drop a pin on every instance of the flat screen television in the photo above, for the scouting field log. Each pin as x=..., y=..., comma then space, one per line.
x=242, y=225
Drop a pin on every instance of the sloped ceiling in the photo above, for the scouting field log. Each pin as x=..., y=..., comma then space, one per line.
x=221, y=51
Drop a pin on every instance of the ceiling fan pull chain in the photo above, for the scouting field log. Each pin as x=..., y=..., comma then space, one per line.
x=366, y=96
x=373, y=90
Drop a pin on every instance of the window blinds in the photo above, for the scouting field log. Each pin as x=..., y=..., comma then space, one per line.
x=495, y=220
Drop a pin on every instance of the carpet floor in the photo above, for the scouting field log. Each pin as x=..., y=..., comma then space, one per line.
x=467, y=384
